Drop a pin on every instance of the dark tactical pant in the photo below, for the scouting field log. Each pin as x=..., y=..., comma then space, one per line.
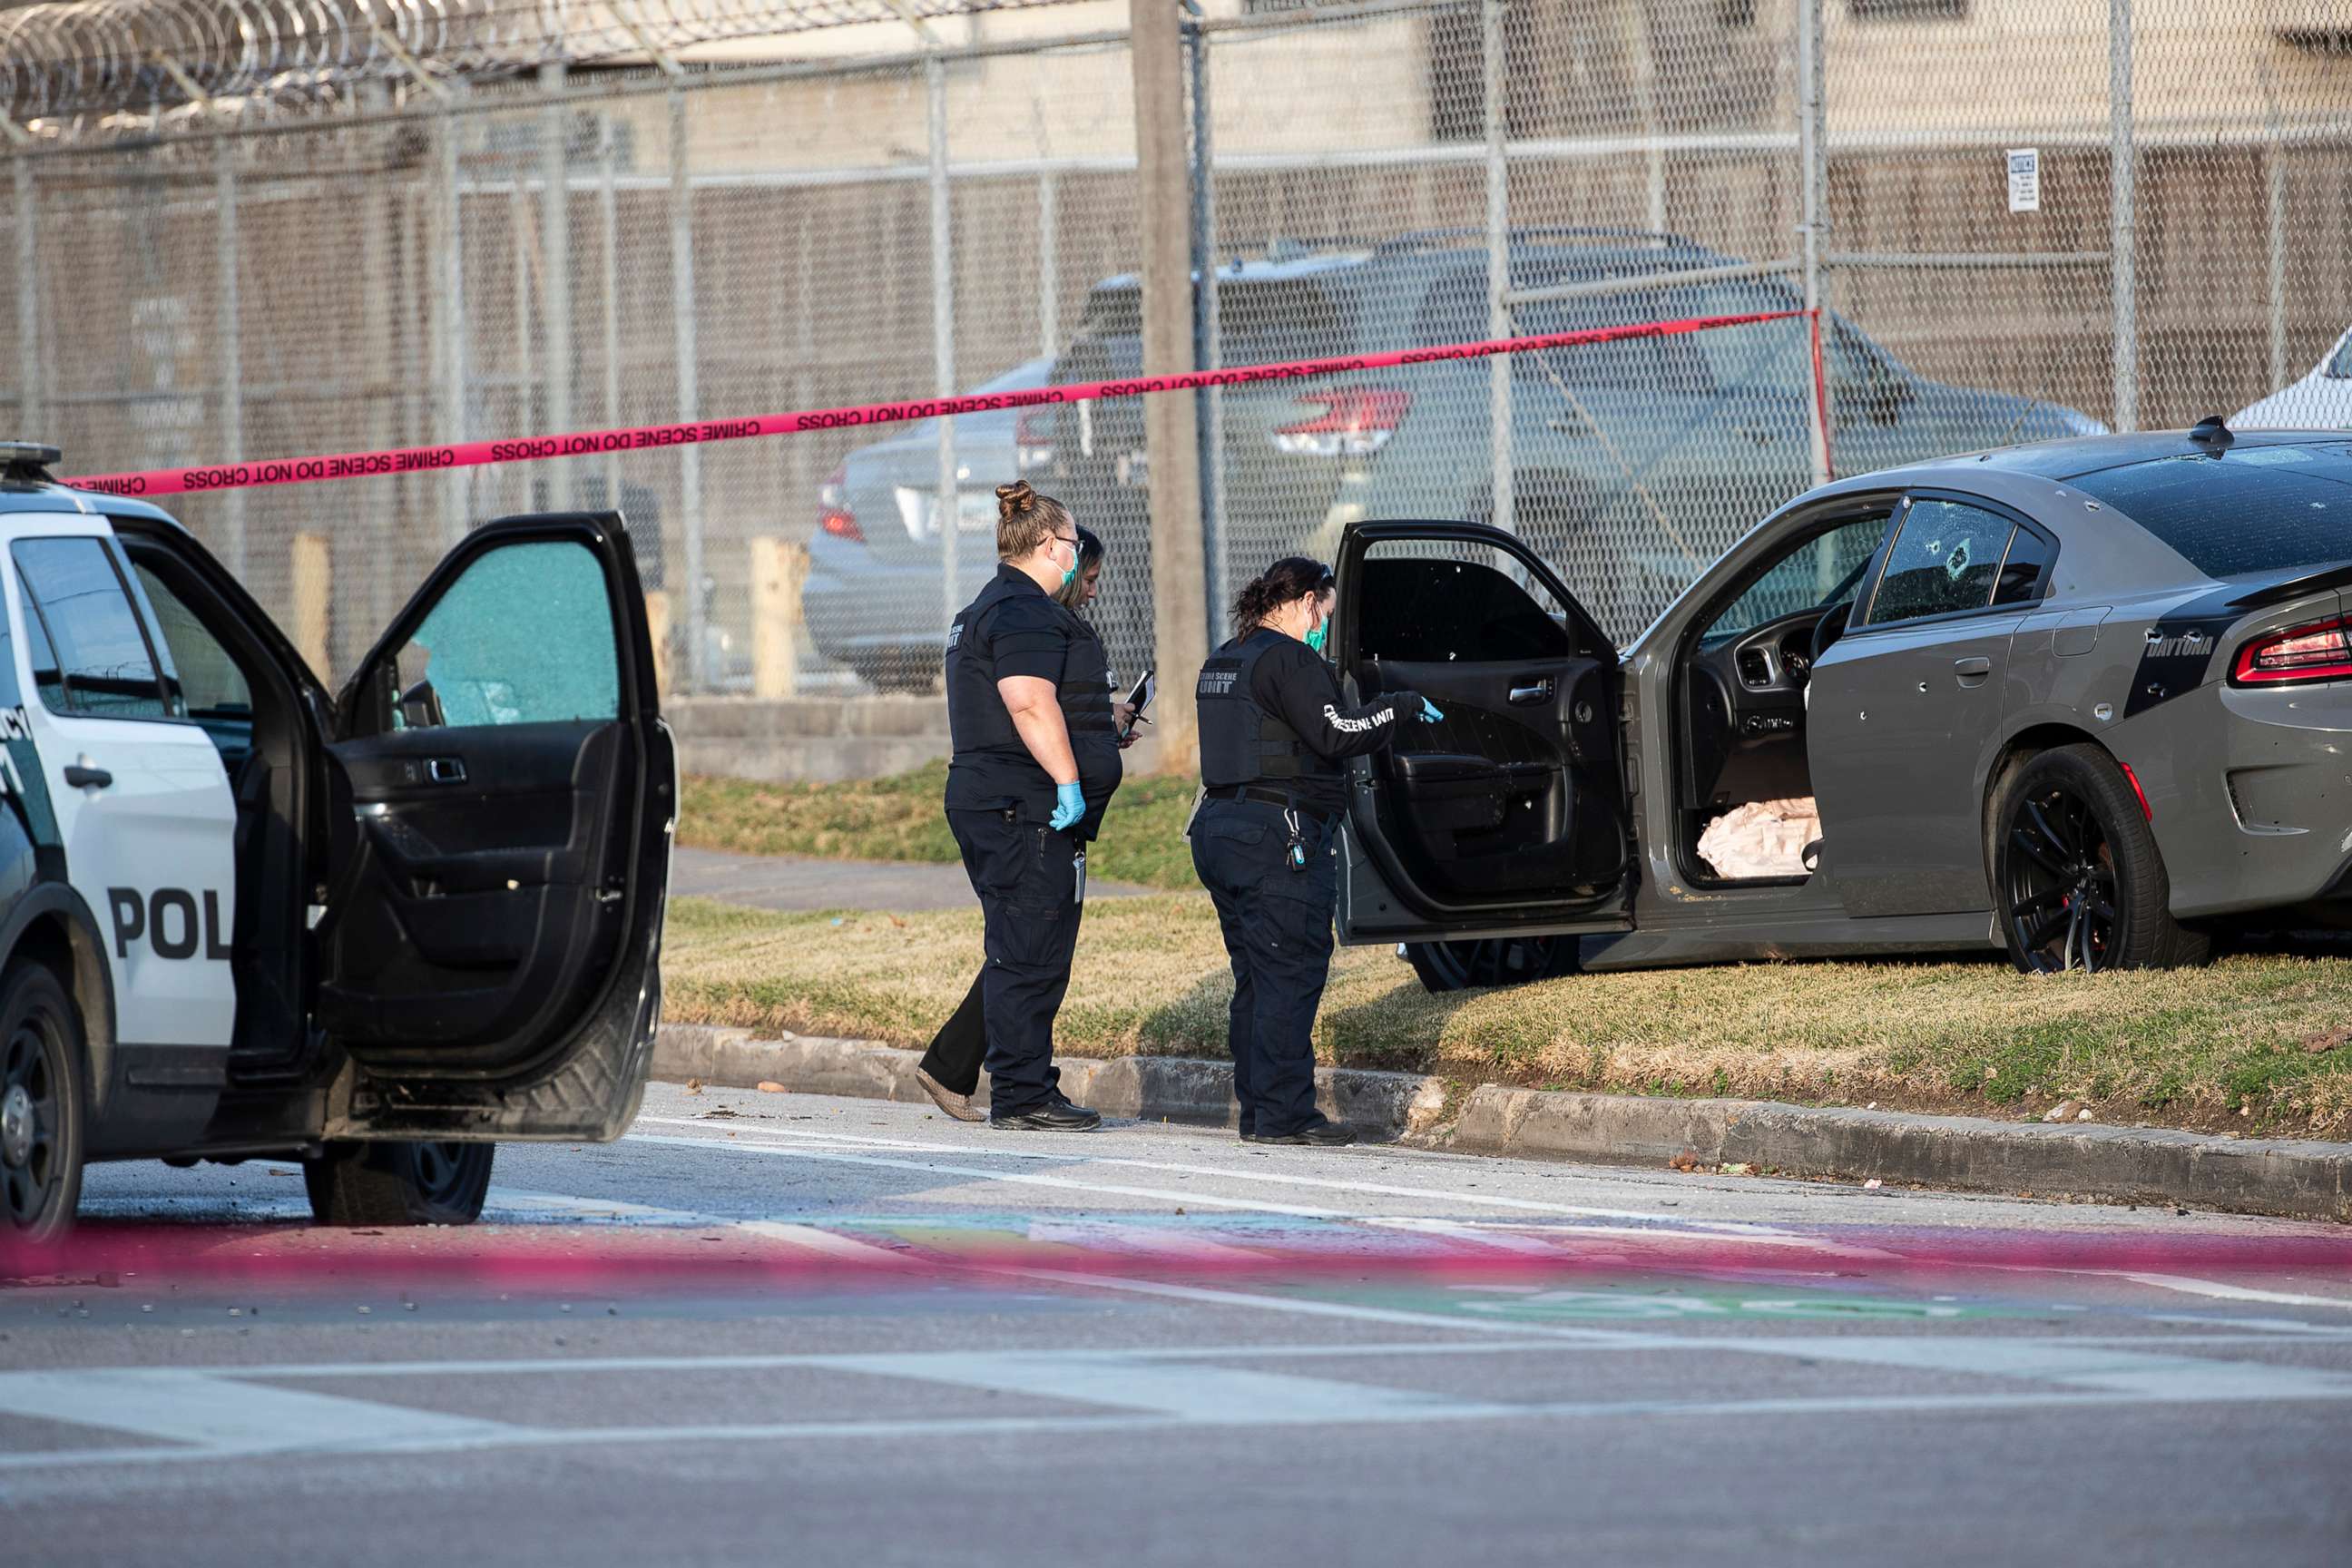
x=961, y=1044
x=1276, y=925
x=1027, y=877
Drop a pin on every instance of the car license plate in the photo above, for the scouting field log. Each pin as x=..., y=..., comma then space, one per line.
x=919, y=511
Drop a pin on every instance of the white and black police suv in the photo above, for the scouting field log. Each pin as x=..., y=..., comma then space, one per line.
x=377, y=931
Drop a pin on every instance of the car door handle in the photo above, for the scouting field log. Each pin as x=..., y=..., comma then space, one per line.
x=1972, y=672
x=1538, y=692
x=446, y=770
x=80, y=777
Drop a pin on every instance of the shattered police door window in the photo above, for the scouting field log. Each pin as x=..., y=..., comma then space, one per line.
x=524, y=636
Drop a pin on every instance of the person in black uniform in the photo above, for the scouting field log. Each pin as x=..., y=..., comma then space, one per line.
x=1030, y=719
x=949, y=1070
x=1276, y=730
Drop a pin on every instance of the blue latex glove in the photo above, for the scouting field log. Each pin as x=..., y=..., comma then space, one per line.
x=1069, y=805
x=1429, y=714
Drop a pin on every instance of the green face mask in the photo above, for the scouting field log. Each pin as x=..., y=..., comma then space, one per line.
x=1074, y=565
x=1319, y=636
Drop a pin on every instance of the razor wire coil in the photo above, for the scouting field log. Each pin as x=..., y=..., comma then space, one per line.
x=97, y=57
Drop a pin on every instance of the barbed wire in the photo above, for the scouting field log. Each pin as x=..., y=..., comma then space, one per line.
x=76, y=58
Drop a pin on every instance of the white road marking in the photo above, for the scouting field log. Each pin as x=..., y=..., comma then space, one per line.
x=1231, y=1396
x=813, y=1238
x=1016, y=1178
x=220, y=1412
x=2215, y=1288
x=1759, y=1235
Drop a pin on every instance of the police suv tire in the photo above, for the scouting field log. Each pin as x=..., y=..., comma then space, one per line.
x=2126, y=869
x=358, y=1184
x=1447, y=966
x=44, y=1104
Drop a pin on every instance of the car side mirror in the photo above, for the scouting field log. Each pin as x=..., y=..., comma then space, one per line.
x=420, y=707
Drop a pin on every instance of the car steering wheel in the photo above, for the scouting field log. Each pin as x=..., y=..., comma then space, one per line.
x=1829, y=628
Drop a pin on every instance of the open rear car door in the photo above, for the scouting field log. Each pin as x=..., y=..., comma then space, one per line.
x=500, y=788
x=1507, y=816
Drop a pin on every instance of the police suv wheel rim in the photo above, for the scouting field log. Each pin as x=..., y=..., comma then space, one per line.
x=30, y=1083
x=15, y=1125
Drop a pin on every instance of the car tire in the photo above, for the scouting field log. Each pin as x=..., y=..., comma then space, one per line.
x=399, y=1183
x=1445, y=967
x=2078, y=883
x=44, y=1104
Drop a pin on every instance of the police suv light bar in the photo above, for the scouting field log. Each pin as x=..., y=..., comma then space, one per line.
x=28, y=459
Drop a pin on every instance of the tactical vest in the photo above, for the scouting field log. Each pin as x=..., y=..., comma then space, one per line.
x=1241, y=742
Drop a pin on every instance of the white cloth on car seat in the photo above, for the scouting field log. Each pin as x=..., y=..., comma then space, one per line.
x=1762, y=838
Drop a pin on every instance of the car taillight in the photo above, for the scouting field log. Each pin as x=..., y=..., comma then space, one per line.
x=833, y=513
x=1354, y=422
x=1033, y=439
x=2321, y=652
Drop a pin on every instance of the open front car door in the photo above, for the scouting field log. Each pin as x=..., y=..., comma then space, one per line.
x=501, y=791
x=1508, y=818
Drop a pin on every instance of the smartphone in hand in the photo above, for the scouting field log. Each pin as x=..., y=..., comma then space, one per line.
x=1139, y=698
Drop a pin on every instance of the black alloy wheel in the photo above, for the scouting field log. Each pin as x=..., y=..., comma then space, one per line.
x=41, y=1114
x=2061, y=890
x=2080, y=883
x=1445, y=967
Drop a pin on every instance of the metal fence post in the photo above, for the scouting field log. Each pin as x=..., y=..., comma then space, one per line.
x=2275, y=177
x=609, y=211
x=1049, y=263
x=2123, y=280
x=231, y=349
x=1499, y=269
x=947, y=510
x=1207, y=352
x=449, y=323
x=28, y=303
x=690, y=460
x=1813, y=143
x=555, y=268
x=518, y=221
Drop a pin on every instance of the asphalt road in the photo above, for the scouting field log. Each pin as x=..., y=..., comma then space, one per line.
x=771, y=1329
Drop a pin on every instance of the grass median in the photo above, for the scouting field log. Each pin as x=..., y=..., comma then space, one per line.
x=899, y=818
x=2258, y=1044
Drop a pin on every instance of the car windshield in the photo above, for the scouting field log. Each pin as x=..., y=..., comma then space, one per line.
x=2253, y=508
x=2339, y=363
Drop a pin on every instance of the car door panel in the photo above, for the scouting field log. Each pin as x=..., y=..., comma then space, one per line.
x=1898, y=714
x=501, y=790
x=1508, y=812
x=1494, y=798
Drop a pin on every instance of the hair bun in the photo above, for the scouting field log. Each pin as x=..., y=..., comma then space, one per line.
x=1015, y=499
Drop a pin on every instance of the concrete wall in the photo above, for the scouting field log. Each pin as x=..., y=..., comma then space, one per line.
x=814, y=739
x=822, y=740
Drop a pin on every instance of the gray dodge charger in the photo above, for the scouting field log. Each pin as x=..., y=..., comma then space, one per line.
x=2088, y=701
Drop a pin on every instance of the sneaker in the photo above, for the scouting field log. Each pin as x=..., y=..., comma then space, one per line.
x=1054, y=1116
x=959, y=1106
x=1318, y=1134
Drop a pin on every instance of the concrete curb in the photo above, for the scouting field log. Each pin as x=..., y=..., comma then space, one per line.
x=1178, y=1088
x=2299, y=1180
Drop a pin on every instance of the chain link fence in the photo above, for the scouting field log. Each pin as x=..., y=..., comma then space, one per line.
x=2020, y=219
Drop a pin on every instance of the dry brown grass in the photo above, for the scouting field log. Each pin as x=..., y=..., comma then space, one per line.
x=2254, y=1044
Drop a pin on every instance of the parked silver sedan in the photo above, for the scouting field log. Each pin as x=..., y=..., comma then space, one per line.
x=874, y=598
x=2088, y=701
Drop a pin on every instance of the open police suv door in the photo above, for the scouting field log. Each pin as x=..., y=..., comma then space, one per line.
x=501, y=789
x=1506, y=820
